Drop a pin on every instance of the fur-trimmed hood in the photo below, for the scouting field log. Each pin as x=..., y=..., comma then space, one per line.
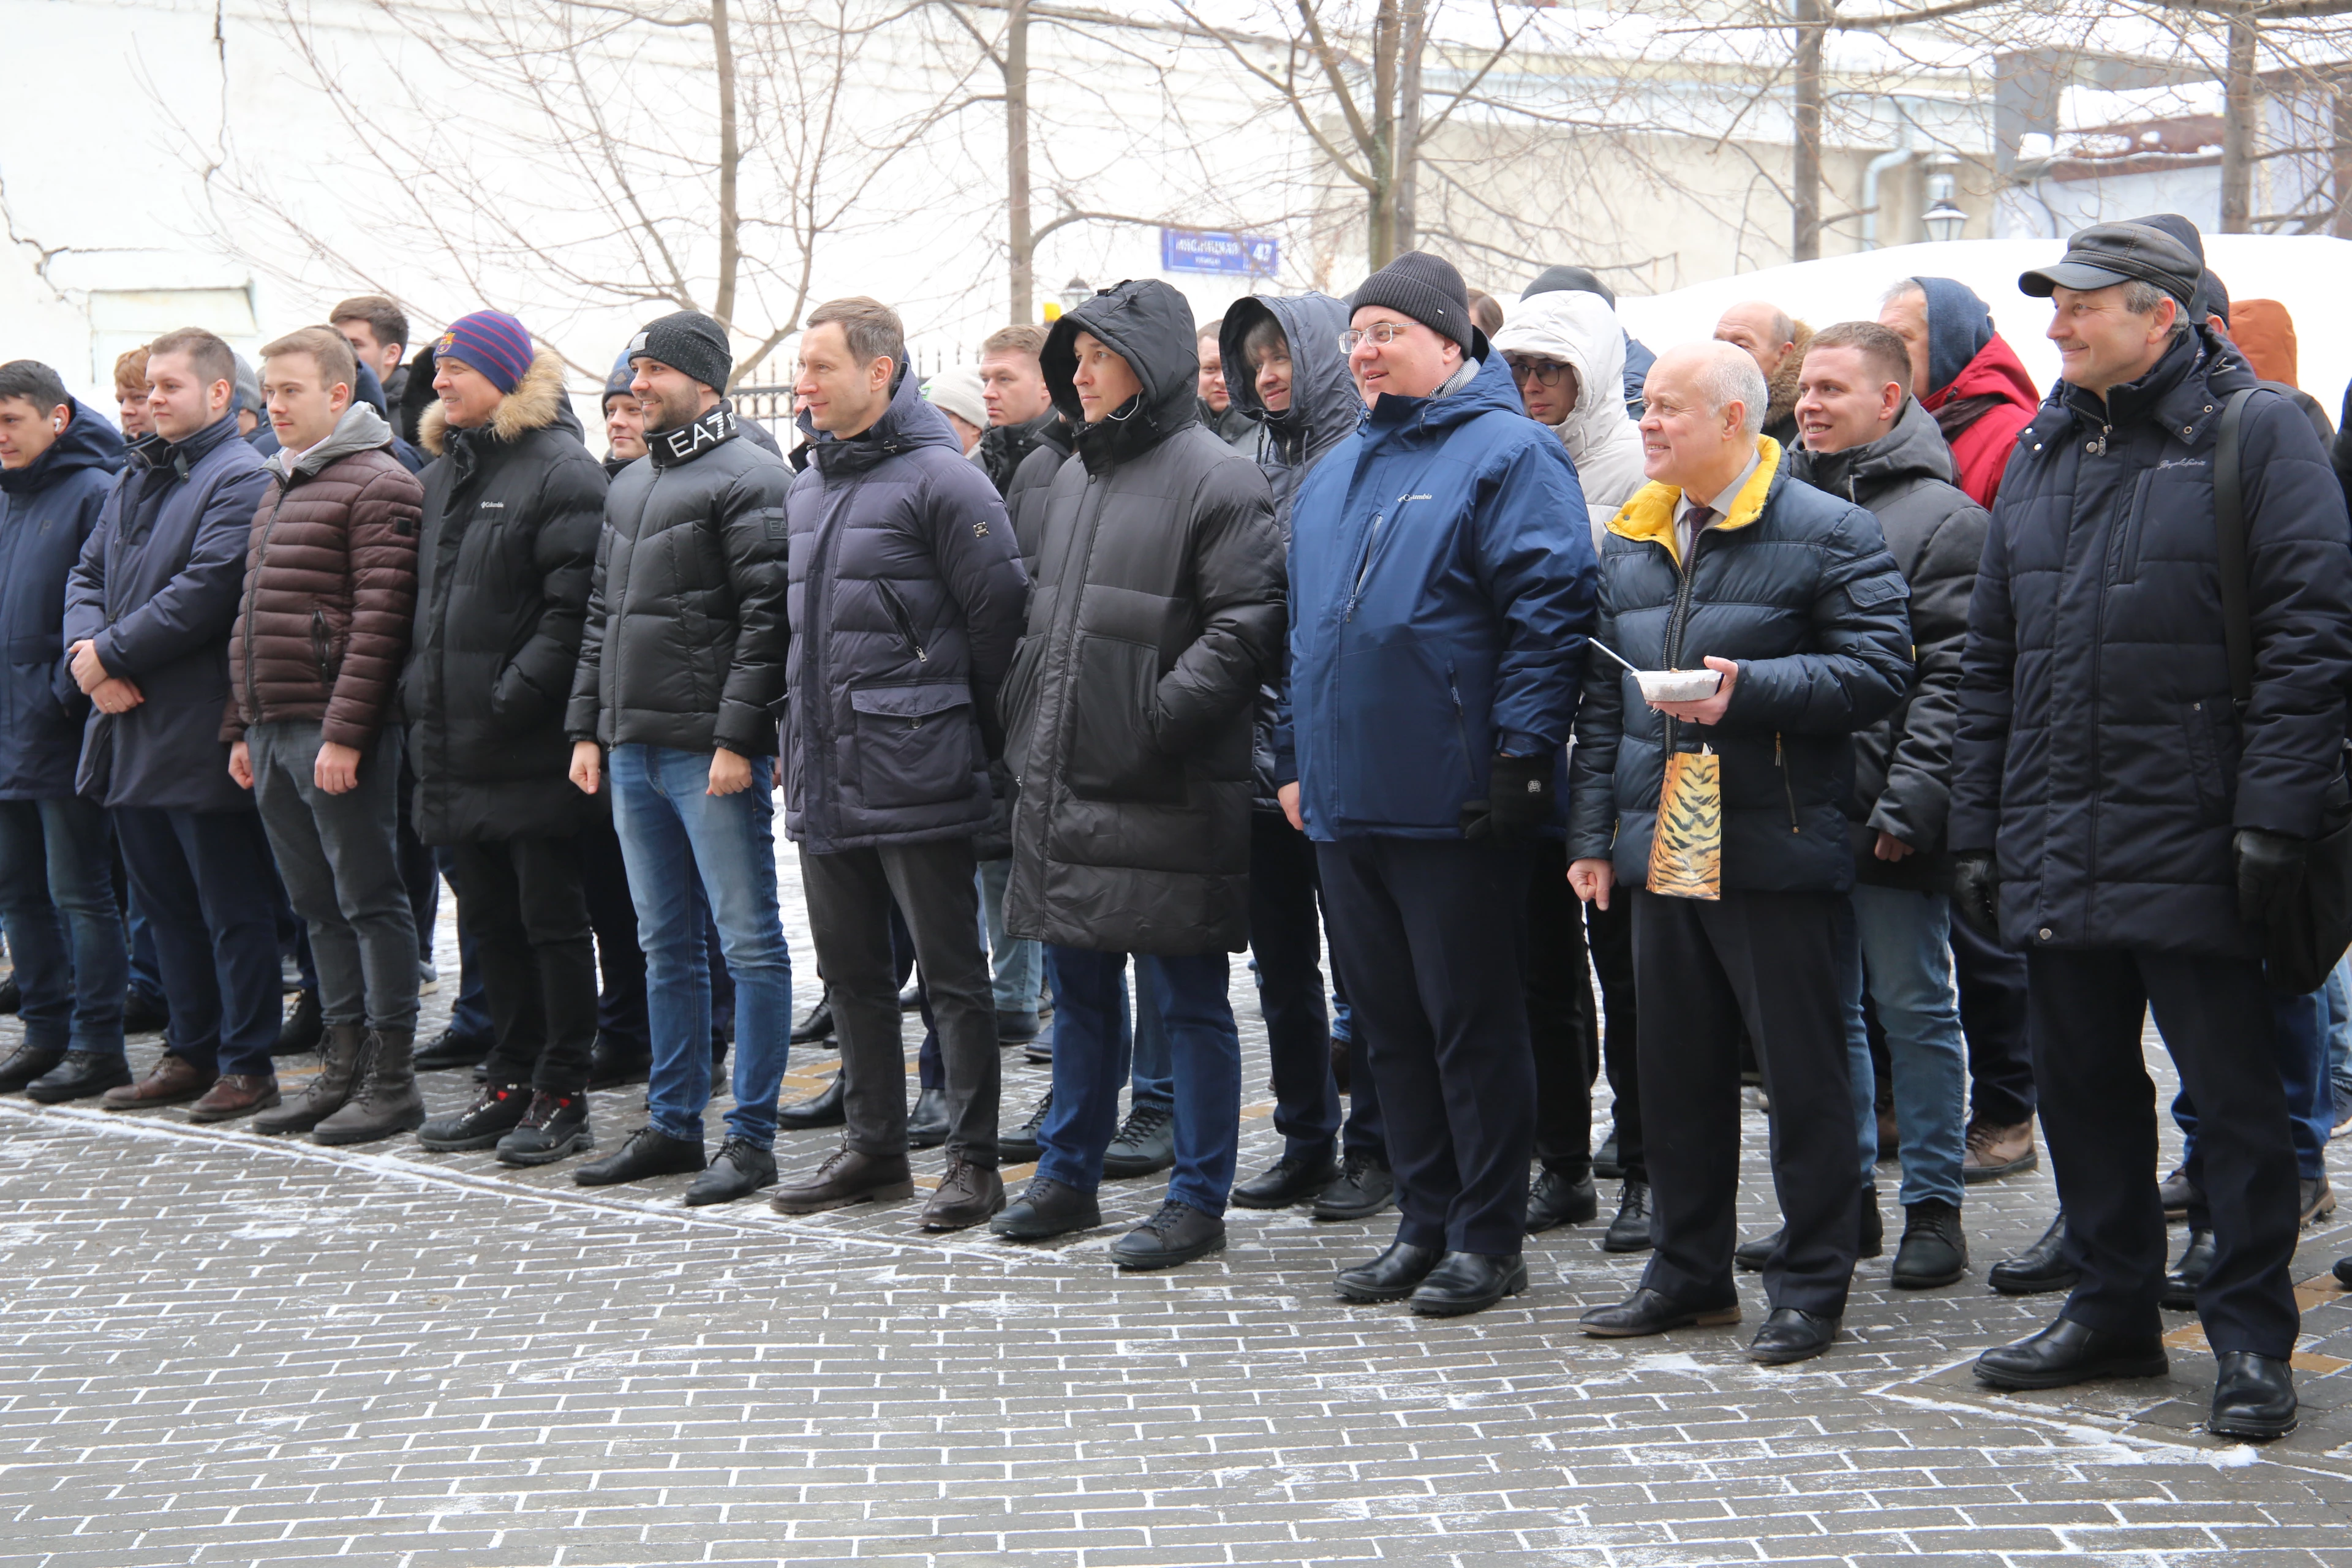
x=537, y=402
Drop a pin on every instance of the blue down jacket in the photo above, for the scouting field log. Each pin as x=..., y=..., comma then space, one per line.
x=1442, y=585
x=2099, y=754
x=1798, y=587
x=47, y=509
x=156, y=590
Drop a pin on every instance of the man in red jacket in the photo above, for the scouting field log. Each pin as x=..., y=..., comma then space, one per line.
x=1963, y=373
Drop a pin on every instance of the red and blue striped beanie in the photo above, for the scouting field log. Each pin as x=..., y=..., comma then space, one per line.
x=491, y=341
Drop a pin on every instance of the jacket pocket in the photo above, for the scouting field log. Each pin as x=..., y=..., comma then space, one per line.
x=1410, y=721
x=916, y=745
x=1016, y=701
x=2210, y=731
x=895, y=608
x=1114, y=755
x=324, y=654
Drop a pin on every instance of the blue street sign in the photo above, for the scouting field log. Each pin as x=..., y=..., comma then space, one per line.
x=1190, y=250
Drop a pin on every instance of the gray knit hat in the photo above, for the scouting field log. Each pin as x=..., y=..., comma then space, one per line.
x=1426, y=287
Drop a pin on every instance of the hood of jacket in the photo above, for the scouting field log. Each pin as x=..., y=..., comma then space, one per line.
x=361, y=429
x=1995, y=372
x=1649, y=515
x=88, y=441
x=1913, y=449
x=1580, y=329
x=911, y=420
x=1324, y=403
x=1150, y=325
x=537, y=402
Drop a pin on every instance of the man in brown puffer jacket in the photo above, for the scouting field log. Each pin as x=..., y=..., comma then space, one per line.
x=322, y=630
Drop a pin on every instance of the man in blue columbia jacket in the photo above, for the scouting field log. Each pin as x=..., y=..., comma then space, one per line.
x=1442, y=583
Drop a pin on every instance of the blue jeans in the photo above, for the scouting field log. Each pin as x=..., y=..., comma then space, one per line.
x=691, y=853
x=1091, y=1058
x=1857, y=1039
x=1152, y=1079
x=1019, y=960
x=2299, y=1039
x=64, y=932
x=1908, y=956
x=2339, y=1024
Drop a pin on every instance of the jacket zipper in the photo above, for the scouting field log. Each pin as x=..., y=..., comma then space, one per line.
x=818, y=593
x=244, y=615
x=898, y=615
x=1461, y=726
x=1788, y=788
x=1364, y=563
x=323, y=642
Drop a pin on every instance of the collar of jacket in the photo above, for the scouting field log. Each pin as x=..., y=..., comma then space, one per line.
x=2182, y=395
x=1913, y=447
x=1489, y=389
x=359, y=429
x=88, y=441
x=713, y=426
x=154, y=452
x=1648, y=517
x=1126, y=433
x=910, y=420
x=537, y=402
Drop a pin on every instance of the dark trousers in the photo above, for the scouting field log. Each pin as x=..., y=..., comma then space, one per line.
x=420, y=869
x=1431, y=936
x=469, y=1016
x=64, y=932
x=1609, y=937
x=1769, y=960
x=1561, y=1028
x=205, y=884
x=2299, y=1041
x=521, y=901
x=2098, y=1117
x=1286, y=940
x=850, y=894
x=1993, y=1017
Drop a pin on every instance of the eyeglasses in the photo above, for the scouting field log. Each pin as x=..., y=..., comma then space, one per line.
x=1542, y=372
x=1381, y=332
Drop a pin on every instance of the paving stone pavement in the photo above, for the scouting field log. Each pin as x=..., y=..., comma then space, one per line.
x=217, y=1349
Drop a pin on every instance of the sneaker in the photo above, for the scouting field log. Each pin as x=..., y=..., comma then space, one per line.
x=554, y=1126
x=1147, y=1143
x=428, y=977
x=498, y=1108
x=1020, y=1147
x=1995, y=1151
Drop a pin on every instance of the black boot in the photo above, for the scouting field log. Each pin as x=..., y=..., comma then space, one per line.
x=822, y=1109
x=614, y=1064
x=927, y=1125
x=339, y=1061
x=2040, y=1268
x=2067, y=1352
x=12, y=995
x=302, y=1028
x=1934, y=1250
x=1146, y=1142
x=2195, y=1262
x=1365, y=1187
x=1629, y=1231
x=817, y=1024
x=1557, y=1200
x=1873, y=1227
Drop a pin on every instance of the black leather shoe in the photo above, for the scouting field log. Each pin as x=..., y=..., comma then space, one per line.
x=1648, y=1311
x=1629, y=1231
x=2318, y=1199
x=2040, y=1268
x=2066, y=1353
x=2195, y=1262
x=1605, y=1163
x=1146, y=1142
x=78, y=1075
x=1874, y=1227
x=927, y=1125
x=12, y=995
x=2176, y=1192
x=1177, y=1234
x=1392, y=1277
x=646, y=1153
x=302, y=1028
x=615, y=1064
x=450, y=1050
x=1466, y=1283
x=26, y=1063
x=1556, y=1200
x=1019, y=1147
x=1293, y=1179
x=2344, y=1272
x=1749, y=1257
x=816, y=1023
x=1016, y=1028
x=1047, y=1208
x=2253, y=1398
x=1792, y=1334
x=741, y=1169
x=910, y=1000
x=1934, y=1250
x=820, y=1109
x=1364, y=1188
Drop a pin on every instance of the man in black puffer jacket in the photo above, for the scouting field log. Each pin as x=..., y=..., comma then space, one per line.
x=1867, y=440
x=2127, y=827
x=1726, y=562
x=681, y=667
x=907, y=594
x=512, y=503
x=1158, y=611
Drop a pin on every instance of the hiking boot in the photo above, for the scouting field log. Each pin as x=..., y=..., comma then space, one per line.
x=1995, y=1151
x=339, y=1058
x=555, y=1125
x=385, y=1102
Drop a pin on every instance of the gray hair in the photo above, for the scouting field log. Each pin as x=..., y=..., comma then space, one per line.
x=1902, y=288
x=1730, y=375
x=2141, y=299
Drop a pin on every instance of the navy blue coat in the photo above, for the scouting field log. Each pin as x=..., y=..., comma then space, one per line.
x=907, y=595
x=47, y=509
x=1798, y=587
x=1442, y=585
x=156, y=590
x=2099, y=754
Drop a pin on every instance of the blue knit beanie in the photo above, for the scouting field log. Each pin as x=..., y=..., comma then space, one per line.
x=491, y=341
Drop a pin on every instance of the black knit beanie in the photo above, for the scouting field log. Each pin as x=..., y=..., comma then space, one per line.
x=689, y=342
x=1426, y=287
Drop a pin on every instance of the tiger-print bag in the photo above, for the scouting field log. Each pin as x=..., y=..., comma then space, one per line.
x=1687, y=849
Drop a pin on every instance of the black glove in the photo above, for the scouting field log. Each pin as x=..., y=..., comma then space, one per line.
x=1976, y=894
x=1520, y=801
x=2270, y=873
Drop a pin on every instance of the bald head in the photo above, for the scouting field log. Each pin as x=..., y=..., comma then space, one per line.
x=1703, y=408
x=1766, y=332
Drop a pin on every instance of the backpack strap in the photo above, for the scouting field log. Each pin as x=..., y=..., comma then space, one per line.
x=2230, y=534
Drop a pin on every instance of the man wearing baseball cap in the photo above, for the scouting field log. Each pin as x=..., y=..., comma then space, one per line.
x=2131, y=829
